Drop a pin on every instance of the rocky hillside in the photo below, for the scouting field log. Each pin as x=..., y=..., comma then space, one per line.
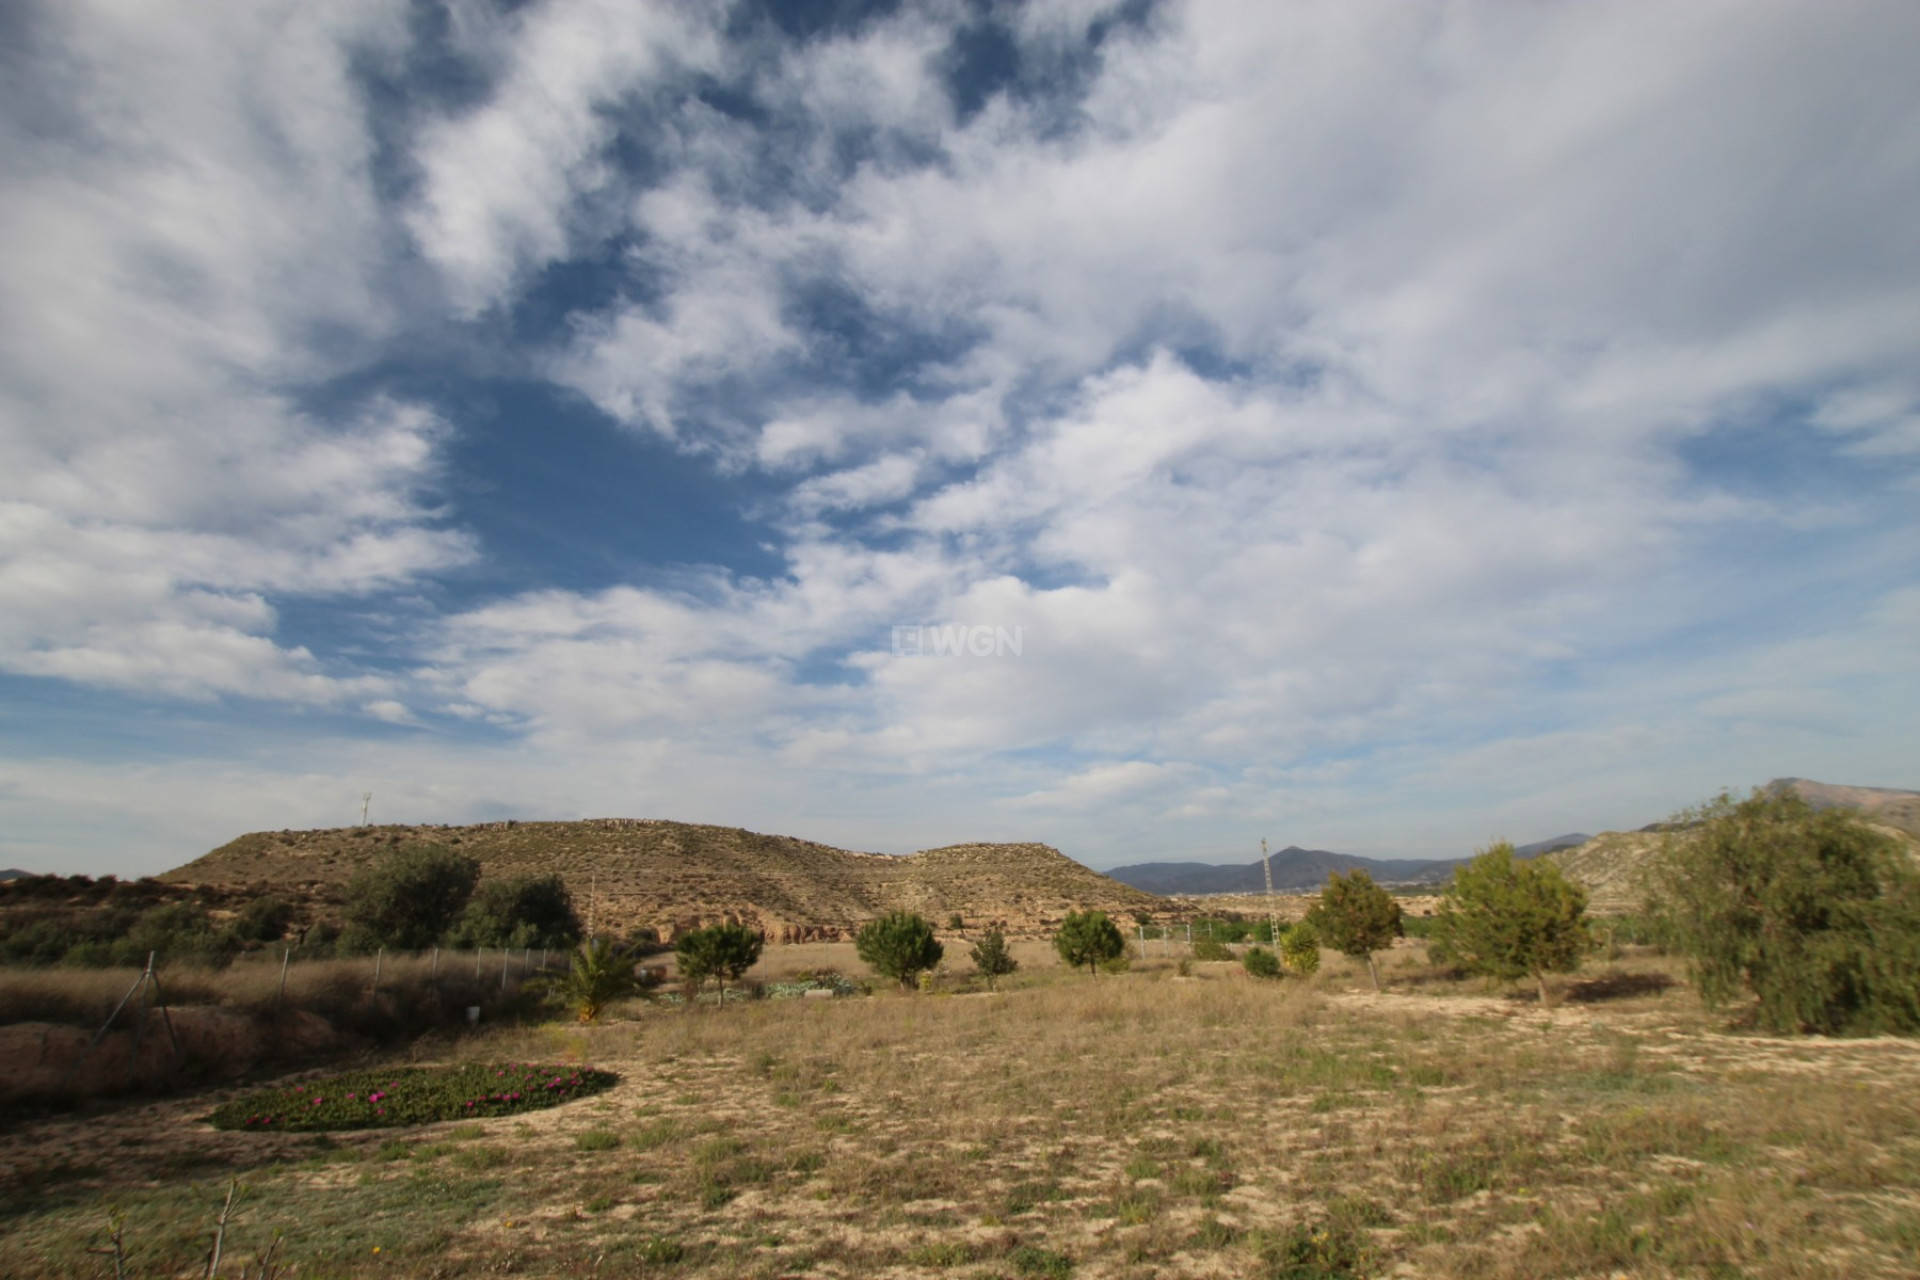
x=636, y=872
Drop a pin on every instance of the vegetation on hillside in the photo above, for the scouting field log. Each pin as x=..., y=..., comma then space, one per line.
x=899, y=945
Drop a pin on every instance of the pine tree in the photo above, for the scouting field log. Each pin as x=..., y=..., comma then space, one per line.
x=1088, y=938
x=899, y=945
x=1511, y=919
x=991, y=957
x=1357, y=917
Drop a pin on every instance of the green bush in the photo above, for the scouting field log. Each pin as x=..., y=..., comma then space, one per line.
x=991, y=957
x=598, y=973
x=1356, y=917
x=1211, y=949
x=520, y=912
x=262, y=920
x=1509, y=919
x=1089, y=938
x=409, y=898
x=1261, y=963
x=1300, y=949
x=899, y=945
x=394, y=1096
x=1812, y=911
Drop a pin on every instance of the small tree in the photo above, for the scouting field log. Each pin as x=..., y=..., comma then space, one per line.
x=1510, y=919
x=598, y=974
x=1814, y=912
x=1088, y=938
x=723, y=952
x=991, y=957
x=1356, y=917
x=1261, y=963
x=408, y=898
x=1300, y=949
x=898, y=945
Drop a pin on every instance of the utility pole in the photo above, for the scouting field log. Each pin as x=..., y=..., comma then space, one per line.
x=366, y=802
x=1273, y=910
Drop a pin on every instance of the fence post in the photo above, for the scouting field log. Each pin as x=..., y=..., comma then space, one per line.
x=286, y=958
x=478, y=952
x=505, y=957
x=433, y=965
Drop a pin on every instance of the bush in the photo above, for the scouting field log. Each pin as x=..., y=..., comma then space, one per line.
x=394, y=1096
x=520, y=912
x=1300, y=949
x=408, y=899
x=1089, y=938
x=262, y=920
x=1357, y=917
x=1813, y=911
x=1211, y=949
x=1509, y=919
x=1261, y=963
x=720, y=951
x=898, y=945
x=991, y=957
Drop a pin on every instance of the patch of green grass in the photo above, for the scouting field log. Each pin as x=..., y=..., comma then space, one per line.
x=1031, y=1260
x=943, y=1253
x=597, y=1140
x=396, y=1096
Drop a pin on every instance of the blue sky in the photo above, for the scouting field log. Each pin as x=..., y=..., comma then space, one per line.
x=1377, y=427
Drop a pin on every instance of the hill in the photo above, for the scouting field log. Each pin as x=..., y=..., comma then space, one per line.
x=1294, y=868
x=637, y=872
x=1883, y=805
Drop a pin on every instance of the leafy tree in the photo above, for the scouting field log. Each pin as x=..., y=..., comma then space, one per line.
x=1300, y=949
x=722, y=951
x=1813, y=911
x=991, y=957
x=1356, y=917
x=1511, y=919
x=1088, y=938
x=599, y=973
x=522, y=911
x=898, y=945
x=1261, y=963
x=408, y=899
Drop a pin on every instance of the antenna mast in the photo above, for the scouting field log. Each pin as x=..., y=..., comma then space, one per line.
x=366, y=802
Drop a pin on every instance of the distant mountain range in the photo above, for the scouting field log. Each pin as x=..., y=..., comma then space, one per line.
x=1295, y=869
x=14, y=873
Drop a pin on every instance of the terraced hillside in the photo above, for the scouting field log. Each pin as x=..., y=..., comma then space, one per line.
x=637, y=872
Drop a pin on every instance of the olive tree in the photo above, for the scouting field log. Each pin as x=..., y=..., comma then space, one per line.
x=1356, y=917
x=1510, y=919
x=899, y=945
x=1813, y=912
x=1088, y=938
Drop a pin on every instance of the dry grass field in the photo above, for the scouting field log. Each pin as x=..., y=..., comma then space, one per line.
x=1145, y=1124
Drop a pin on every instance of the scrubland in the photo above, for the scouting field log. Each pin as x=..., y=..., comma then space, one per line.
x=1143, y=1124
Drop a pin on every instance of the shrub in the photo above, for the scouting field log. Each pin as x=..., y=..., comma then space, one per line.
x=262, y=920
x=898, y=945
x=1211, y=949
x=1300, y=949
x=1357, y=917
x=991, y=957
x=720, y=951
x=393, y=1096
x=1509, y=919
x=407, y=899
x=1088, y=938
x=520, y=912
x=1261, y=963
x=1813, y=911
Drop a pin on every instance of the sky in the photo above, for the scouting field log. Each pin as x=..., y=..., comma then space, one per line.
x=1145, y=428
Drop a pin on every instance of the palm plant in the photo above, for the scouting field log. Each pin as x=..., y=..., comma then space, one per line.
x=599, y=974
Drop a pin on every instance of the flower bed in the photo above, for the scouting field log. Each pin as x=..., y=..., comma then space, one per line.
x=397, y=1096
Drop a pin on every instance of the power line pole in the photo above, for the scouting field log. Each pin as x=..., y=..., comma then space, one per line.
x=1273, y=910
